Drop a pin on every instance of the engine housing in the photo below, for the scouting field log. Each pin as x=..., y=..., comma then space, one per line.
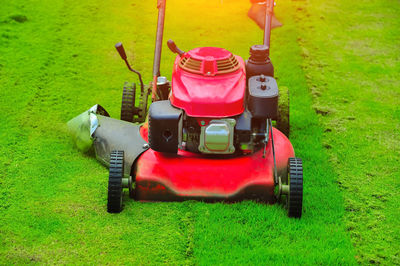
x=211, y=109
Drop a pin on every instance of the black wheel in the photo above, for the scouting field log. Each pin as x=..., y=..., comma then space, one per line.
x=295, y=195
x=114, y=202
x=282, y=122
x=128, y=102
x=140, y=112
x=130, y=111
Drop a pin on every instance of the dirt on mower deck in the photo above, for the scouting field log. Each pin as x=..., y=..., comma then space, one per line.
x=341, y=64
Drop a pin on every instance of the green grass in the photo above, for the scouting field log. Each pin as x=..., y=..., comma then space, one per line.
x=353, y=75
x=57, y=59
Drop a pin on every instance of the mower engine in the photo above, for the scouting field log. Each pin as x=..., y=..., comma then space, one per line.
x=213, y=106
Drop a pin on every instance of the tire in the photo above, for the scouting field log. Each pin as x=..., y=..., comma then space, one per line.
x=128, y=102
x=283, y=121
x=295, y=196
x=140, y=112
x=114, y=201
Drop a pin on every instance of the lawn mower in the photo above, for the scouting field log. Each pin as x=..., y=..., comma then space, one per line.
x=217, y=131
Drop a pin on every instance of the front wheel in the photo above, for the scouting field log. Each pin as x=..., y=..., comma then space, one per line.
x=114, y=201
x=295, y=191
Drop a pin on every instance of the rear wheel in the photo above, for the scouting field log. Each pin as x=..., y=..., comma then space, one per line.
x=295, y=193
x=114, y=201
x=128, y=102
x=131, y=111
x=140, y=111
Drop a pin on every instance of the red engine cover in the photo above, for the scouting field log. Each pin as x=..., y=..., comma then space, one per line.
x=209, y=82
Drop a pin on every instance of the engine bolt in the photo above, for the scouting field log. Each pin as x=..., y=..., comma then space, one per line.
x=263, y=86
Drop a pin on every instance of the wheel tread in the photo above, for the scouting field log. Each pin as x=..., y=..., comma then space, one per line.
x=295, y=199
x=116, y=173
x=128, y=102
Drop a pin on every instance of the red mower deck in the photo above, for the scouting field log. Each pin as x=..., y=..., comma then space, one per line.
x=186, y=175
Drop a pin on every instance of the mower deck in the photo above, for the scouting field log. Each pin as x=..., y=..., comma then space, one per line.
x=183, y=176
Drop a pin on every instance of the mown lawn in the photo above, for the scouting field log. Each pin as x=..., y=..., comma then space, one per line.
x=355, y=83
x=341, y=63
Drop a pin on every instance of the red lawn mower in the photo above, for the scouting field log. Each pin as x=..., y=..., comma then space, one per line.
x=207, y=135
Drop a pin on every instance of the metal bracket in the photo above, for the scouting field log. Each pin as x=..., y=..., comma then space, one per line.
x=273, y=153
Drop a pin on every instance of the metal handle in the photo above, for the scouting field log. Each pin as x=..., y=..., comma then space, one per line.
x=157, y=50
x=172, y=46
x=269, y=10
x=121, y=51
x=159, y=37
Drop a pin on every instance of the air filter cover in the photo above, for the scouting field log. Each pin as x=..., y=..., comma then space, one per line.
x=263, y=97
